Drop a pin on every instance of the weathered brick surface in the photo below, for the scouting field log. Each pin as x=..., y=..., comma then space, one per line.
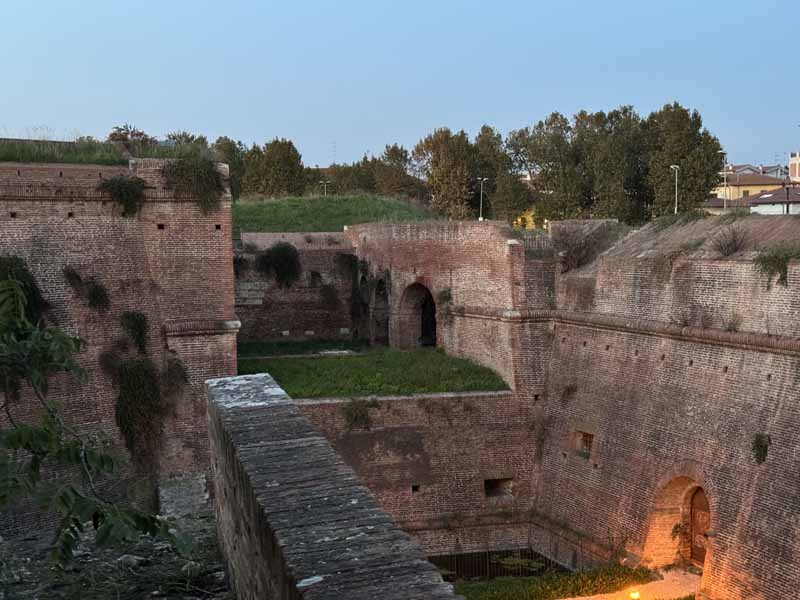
x=302, y=311
x=179, y=277
x=293, y=519
x=426, y=457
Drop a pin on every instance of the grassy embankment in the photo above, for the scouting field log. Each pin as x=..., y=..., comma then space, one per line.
x=44, y=151
x=379, y=372
x=320, y=213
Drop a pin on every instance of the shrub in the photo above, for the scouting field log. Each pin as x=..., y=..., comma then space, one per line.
x=74, y=279
x=774, y=262
x=198, y=177
x=126, y=191
x=174, y=378
x=281, y=261
x=730, y=240
x=732, y=323
x=328, y=296
x=81, y=151
x=139, y=410
x=356, y=412
x=97, y=296
x=734, y=215
x=761, y=444
x=135, y=325
x=574, y=247
x=13, y=267
x=240, y=265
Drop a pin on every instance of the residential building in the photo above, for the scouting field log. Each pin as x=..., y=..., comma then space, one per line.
x=742, y=184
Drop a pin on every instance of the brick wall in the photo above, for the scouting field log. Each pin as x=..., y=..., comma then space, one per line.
x=179, y=276
x=426, y=458
x=293, y=520
x=302, y=311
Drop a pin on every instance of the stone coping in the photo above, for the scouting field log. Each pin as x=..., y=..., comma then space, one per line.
x=329, y=533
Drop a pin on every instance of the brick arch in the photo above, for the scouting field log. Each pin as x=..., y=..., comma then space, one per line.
x=415, y=322
x=671, y=506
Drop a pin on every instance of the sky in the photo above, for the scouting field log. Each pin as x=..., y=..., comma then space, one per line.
x=348, y=77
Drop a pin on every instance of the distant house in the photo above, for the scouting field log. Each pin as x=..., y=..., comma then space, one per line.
x=794, y=166
x=784, y=201
x=743, y=184
x=778, y=171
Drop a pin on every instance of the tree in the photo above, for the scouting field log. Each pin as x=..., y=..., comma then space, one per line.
x=274, y=170
x=30, y=354
x=232, y=153
x=511, y=197
x=186, y=138
x=448, y=162
x=392, y=173
x=492, y=159
x=613, y=156
x=130, y=137
x=677, y=137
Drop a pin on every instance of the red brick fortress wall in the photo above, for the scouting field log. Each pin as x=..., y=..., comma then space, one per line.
x=318, y=306
x=171, y=262
x=426, y=459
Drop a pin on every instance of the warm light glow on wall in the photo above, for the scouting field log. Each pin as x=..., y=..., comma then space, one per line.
x=634, y=595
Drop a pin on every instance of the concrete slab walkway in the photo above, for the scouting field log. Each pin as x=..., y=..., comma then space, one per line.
x=676, y=584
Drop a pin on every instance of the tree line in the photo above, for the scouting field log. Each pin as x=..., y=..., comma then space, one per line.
x=614, y=164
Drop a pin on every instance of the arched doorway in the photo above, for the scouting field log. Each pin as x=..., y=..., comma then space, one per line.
x=699, y=524
x=416, y=319
x=680, y=521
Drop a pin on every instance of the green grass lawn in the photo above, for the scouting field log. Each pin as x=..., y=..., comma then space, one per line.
x=44, y=151
x=378, y=372
x=318, y=213
x=281, y=347
x=555, y=585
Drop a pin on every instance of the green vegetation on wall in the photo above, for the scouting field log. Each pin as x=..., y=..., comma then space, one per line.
x=94, y=292
x=196, y=176
x=135, y=324
x=356, y=412
x=281, y=261
x=774, y=262
x=125, y=190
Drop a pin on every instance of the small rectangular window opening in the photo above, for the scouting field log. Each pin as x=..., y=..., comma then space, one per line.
x=160, y=226
x=498, y=488
x=217, y=226
x=414, y=488
x=582, y=444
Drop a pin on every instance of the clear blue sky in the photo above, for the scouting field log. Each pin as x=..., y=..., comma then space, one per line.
x=363, y=74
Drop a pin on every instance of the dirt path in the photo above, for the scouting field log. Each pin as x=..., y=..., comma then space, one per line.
x=676, y=584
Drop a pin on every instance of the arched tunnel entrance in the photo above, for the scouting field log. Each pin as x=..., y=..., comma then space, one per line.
x=416, y=324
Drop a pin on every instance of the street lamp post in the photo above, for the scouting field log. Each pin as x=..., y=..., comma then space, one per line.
x=676, y=168
x=480, y=212
x=724, y=182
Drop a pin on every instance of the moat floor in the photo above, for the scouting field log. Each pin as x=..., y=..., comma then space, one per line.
x=676, y=584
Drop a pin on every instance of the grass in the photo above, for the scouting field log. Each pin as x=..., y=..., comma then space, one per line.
x=44, y=151
x=318, y=213
x=288, y=347
x=555, y=585
x=378, y=372
x=681, y=218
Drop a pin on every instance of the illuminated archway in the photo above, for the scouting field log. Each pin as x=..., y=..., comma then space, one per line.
x=680, y=523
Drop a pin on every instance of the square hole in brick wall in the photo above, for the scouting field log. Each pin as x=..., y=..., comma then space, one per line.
x=160, y=226
x=498, y=488
x=218, y=226
x=582, y=444
x=414, y=488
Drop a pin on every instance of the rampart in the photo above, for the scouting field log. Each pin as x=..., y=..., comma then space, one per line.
x=171, y=263
x=651, y=416
x=293, y=520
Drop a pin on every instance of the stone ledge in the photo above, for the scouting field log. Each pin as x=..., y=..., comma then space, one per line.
x=312, y=530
